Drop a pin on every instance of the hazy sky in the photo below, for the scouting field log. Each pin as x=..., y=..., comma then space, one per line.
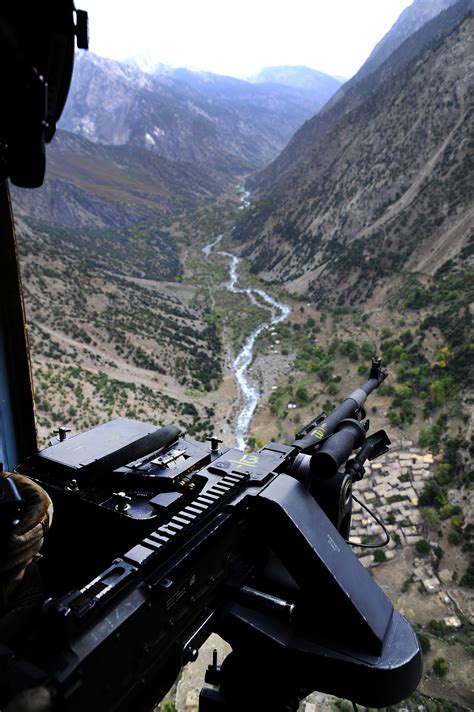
x=239, y=38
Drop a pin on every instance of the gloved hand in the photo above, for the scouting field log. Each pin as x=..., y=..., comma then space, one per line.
x=37, y=699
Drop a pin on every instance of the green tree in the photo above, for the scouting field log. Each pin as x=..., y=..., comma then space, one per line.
x=302, y=394
x=437, y=627
x=455, y=538
x=433, y=495
x=349, y=349
x=430, y=518
x=394, y=418
x=423, y=547
x=425, y=644
x=468, y=576
x=440, y=667
x=367, y=350
x=431, y=435
x=440, y=390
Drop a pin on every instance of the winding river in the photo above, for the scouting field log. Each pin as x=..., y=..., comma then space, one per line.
x=278, y=313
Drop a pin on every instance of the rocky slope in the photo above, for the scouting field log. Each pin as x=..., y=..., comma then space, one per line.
x=412, y=19
x=228, y=124
x=143, y=143
x=378, y=183
x=97, y=186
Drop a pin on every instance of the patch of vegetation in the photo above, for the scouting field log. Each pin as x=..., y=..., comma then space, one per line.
x=423, y=547
x=440, y=667
x=438, y=628
x=341, y=705
x=448, y=298
x=467, y=578
x=424, y=641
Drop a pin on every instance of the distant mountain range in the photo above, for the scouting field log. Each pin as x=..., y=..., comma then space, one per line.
x=320, y=85
x=134, y=142
x=380, y=181
x=227, y=124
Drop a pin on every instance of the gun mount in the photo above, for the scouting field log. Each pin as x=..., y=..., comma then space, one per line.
x=160, y=540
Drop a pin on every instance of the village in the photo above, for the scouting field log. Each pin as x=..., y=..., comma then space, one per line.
x=390, y=489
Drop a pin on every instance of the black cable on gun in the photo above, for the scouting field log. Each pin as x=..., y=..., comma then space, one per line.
x=379, y=522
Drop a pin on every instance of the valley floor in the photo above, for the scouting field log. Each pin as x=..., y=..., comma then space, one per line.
x=159, y=347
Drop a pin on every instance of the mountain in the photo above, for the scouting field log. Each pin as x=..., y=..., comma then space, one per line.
x=358, y=89
x=226, y=124
x=379, y=183
x=411, y=20
x=319, y=84
x=92, y=185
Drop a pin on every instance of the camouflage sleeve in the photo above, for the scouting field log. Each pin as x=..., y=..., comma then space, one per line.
x=27, y=536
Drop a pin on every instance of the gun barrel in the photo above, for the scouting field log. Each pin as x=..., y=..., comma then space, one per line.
x=349, y=435
x=349, y=408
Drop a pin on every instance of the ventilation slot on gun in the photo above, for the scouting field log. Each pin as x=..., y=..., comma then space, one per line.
x=178, y=524
x=208, y=498
x=166, y=531
x=221, y=487
x=155, y=545
x=200, y=505
x=186, y=516
x=174, y=526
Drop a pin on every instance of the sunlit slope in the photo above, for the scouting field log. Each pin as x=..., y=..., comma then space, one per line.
x=94, y=185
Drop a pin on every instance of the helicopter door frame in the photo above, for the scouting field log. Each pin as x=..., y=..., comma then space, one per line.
x=17, y=417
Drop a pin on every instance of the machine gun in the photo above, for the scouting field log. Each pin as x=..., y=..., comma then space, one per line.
x=160, y=540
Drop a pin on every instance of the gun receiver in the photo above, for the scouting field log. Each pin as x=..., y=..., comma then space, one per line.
x=189, y=539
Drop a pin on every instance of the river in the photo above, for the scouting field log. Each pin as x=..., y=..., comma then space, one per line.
x=278, y=313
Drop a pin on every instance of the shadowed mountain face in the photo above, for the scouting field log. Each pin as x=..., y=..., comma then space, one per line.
x=226, y=124
x=106, y=186
x=411, y=20
x=380, y=181
x=140, y=144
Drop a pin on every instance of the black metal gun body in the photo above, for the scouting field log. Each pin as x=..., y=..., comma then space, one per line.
x=224, y=524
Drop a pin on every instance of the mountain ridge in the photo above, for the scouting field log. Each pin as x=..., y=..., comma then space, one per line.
x=226, y=124
x=300, y=77
x=411, y=19
x=89, y=184
x=341, y=175
x=359, y=89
